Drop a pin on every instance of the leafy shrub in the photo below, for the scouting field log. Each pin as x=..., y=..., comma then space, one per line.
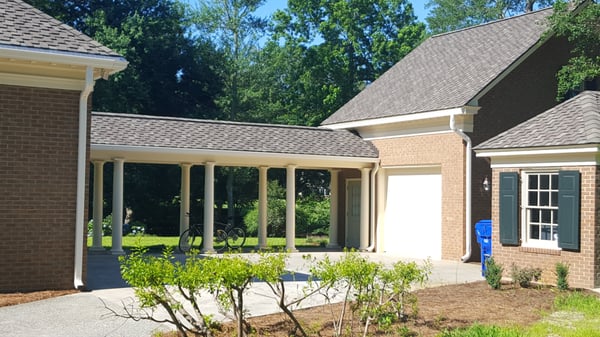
x=493, y=273
x=371, y=291
x=562, y=275
x=312, y=214
x=524, y=276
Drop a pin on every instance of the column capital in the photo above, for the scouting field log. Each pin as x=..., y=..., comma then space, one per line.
x=210, y=163
x=334, y=170
x=98, y=162
x=186, y=164
x=119, y=159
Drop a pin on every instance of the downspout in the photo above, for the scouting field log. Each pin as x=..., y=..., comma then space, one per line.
x=372, y=208
x=81, y=168
x=468, y=182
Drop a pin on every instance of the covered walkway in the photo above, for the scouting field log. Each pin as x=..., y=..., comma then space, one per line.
x=127, y=138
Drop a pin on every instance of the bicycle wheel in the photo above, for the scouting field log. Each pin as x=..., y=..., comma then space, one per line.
x=186, y=240
x=236, y=238
x=220, y=240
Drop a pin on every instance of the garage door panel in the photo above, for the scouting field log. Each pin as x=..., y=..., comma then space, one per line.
x=413, y=214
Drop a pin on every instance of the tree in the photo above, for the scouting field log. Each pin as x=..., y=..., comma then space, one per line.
x=449, y=15
x=580, y=26
x=337, y=48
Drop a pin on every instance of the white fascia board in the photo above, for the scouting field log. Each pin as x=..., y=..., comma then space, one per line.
x=538, y=151
x=240, y=158
x=111, y=63
x=405, y=118
x=588, y=155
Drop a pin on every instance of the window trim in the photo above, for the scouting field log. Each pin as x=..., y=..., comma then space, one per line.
x=524, y=221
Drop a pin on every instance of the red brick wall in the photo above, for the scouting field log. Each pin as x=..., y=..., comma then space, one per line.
x=38, y=182
x=584, y=264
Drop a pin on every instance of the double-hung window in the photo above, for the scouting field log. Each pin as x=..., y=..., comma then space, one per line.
x=540, y=209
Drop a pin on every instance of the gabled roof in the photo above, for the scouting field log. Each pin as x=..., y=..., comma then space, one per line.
x=180, y=133
x=573, y=122
x=24, y=26
x=447, y=70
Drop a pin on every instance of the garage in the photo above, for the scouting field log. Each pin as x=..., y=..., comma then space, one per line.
x=413, y=213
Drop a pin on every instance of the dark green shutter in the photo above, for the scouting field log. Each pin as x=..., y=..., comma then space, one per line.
x=568, y=209
x=509, y=208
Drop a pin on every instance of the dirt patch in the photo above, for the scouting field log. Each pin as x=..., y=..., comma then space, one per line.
x=440, y=308
x=20, y=298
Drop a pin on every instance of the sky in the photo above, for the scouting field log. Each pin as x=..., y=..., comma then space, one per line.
x=271, y=5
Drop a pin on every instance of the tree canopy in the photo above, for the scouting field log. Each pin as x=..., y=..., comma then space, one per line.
x=580, y=25
x=449, y=15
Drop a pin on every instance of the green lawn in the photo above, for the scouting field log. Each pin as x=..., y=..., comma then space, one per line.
x=159, y=242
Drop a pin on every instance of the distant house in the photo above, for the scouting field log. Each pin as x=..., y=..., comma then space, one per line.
x=546, y=191
x=47, y=73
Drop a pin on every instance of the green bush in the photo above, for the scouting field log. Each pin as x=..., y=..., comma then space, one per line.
x=524, y=276
x=562, y=275
x=493, y=273
x=312, y=214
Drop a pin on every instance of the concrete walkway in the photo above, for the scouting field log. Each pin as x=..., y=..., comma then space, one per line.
x=86, y=313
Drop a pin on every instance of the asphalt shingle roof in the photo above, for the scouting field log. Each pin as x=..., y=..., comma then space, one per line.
x=168, y=132
x=24, y=26
x=573, y=122
x=447, y=70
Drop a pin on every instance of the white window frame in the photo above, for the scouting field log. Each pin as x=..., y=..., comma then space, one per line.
x=526, y=241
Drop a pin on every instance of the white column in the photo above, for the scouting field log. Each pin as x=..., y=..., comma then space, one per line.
x=364, y=208
x=184, y=207
x=97, y=205
x=262, y=207
x=290, y=209
x=117, y=207
x=209, y=206
x=333, y=209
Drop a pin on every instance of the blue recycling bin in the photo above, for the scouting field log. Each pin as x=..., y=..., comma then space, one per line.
x=483, y=229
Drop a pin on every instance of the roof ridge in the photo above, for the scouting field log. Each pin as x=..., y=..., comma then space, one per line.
x=491, y=22
x=207, y=121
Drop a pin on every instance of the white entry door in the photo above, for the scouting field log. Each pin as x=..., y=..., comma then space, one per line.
x=413, y=213
x=352, y=213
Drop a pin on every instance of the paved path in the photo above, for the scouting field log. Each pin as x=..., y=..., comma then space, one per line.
x=86, y=313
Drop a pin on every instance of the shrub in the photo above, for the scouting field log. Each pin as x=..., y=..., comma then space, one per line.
x=493, y=273
x=524, y=276
x=562, y=274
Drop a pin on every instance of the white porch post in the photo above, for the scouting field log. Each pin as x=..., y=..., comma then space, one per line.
x=262, y=207
x=117, y=207
x=364, y=208
x=97, y=204
x=290, y=209
x=209, y=206
x=184, y=207
x=333, y=209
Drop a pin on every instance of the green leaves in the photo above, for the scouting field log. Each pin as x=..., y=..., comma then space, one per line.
x=580, y=26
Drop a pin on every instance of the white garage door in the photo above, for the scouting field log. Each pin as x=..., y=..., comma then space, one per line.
x=413, y=213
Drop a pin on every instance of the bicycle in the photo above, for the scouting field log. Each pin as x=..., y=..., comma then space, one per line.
x=225, y=236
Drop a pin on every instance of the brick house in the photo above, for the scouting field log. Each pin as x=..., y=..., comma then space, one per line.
x=425, y=114
x=546, y=183
x=47, y=73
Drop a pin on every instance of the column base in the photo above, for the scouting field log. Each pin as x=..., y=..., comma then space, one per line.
x=333, y=246
x=117, y=252
x=97, y=249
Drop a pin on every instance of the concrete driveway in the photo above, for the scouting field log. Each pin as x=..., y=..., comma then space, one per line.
x=87, y=313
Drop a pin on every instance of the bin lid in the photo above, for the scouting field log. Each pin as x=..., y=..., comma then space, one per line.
x=483, y=229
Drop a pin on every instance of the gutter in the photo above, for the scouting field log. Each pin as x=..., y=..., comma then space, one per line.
x=371, y=247
x=468, y=182
x=81, y=166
